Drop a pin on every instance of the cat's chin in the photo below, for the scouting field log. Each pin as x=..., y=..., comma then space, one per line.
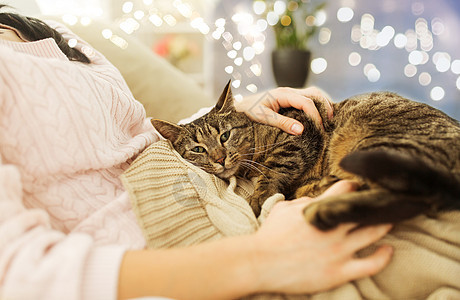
x=227, y=173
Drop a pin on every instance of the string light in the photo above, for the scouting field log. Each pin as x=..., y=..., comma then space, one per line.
x=345, y=14
x=424, y=79
x=437, y=93
x=455, y=66
x=354, y=59
x=318, y=65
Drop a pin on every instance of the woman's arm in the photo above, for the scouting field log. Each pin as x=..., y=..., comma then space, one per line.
x=264, y=107
x=285, y=255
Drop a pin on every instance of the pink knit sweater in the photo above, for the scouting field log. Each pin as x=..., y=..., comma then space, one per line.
x=67, y=131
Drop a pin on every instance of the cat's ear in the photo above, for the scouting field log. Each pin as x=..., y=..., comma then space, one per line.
x=168, y=130
x=226, y=98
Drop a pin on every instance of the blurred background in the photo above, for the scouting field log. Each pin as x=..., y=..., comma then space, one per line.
x=411, y=47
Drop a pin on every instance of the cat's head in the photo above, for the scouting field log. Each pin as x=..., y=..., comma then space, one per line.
x=219, y=142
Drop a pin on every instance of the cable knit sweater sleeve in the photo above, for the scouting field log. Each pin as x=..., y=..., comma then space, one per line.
x=67, y=130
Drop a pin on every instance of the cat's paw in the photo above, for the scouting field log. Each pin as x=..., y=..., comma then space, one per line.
x=327, y=215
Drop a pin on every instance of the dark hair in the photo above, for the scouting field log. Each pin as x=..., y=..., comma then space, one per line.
x=34, y=29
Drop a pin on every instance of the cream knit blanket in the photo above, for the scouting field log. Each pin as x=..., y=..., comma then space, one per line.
x=178, y=204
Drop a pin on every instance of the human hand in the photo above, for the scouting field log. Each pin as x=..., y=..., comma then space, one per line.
x=264, y=107
x=294, y=257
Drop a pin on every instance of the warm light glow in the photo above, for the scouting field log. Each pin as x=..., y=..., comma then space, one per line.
x=318, y=65
x=415, y=57
x=259, y=7
x=107, y=33
x=285, y=20
x=220, y=22
x=237, y=45
x=373, y=75
x=424, y=78
x=443, y=64
x=442, y=61
x=400, y=41
x=129, y=25
x=437, y=26
x=238, y=97
x=85, y=21
x=410, y=70
x=272, y=18
x=411, y=44
x=127, y=7
x=252, y=88
x=261, y=25
x=324, y=35
x=70, y=19
x=259, y=47
x=367, y=24
x=256, y=69
x=139, y=14
x=354, y=59
x=455, y=66
x=279, y=7
x=236, y=83
x=345, y=14
x=367, y=68
x=156, y=20
x=171, y=20
x=292, y=6
x=238, y=61
x=320, y=18
x=384, y=37
x=249, y=53
x=232, y=54
x=72, y=43
x=437, y=93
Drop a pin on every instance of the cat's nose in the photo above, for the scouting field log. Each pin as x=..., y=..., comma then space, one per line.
x=221, y=160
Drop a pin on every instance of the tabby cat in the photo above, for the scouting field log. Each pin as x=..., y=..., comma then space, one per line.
x=405, y=156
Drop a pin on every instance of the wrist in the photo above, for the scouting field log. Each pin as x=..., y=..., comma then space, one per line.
x=223, y=269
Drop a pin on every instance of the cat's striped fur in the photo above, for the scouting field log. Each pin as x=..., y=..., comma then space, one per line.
x=404, y=154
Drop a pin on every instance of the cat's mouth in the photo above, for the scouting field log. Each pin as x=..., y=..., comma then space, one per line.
x=227, y=172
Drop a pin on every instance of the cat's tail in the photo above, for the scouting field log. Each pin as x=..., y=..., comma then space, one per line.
x=404, y=174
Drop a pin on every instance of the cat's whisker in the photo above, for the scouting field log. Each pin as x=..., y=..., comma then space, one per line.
x=250, y=166
x=259, y=164
x=268, y=145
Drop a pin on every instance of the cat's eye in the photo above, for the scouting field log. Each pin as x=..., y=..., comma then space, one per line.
x=224, y=136
x=198, y=149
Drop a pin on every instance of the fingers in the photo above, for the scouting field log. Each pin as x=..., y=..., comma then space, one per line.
x=294, y=98
x=314, y=92
x=343, y=186
x=370, y=265
x=365, y=236
x=269, y=117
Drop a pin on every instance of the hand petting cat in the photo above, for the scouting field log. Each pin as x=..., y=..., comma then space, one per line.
x=264, y=107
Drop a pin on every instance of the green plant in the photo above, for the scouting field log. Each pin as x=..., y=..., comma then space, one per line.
x=296, y=25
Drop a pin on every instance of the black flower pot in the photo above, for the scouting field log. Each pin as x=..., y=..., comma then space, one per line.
x=291, y=67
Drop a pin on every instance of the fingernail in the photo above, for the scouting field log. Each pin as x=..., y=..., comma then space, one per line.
x=296, y=128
